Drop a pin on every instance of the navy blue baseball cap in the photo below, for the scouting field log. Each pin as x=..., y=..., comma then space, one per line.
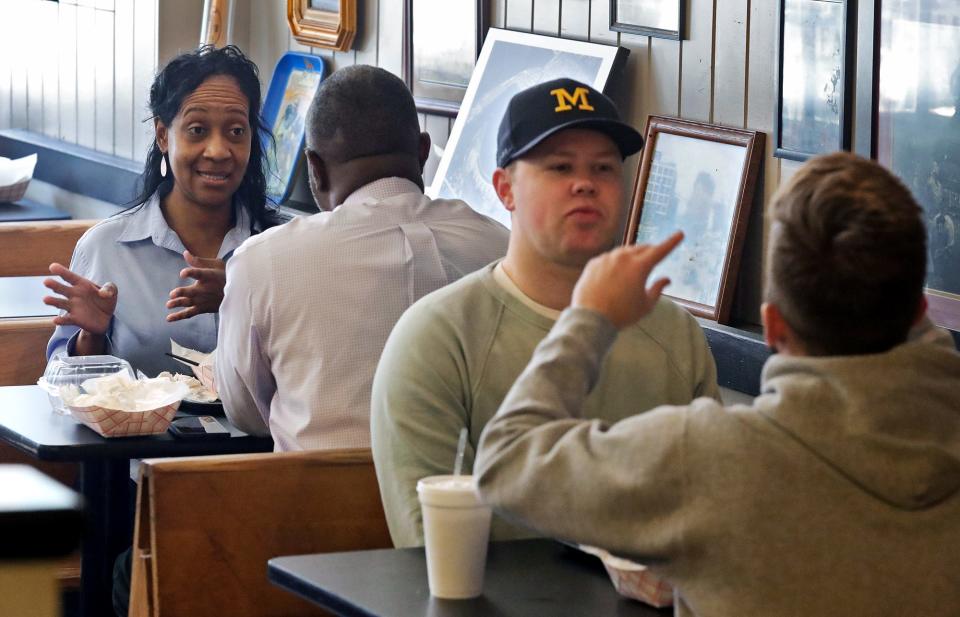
x=540, y=111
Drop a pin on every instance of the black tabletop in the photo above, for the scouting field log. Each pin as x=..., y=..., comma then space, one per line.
x=39, y=517
x=22, y=296
x=527, y=578
x=28, y=423
x=27, y=210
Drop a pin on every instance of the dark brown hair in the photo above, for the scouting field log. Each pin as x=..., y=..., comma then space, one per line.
x=847, y=256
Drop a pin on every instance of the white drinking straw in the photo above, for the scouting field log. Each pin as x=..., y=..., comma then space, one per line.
x=461, y=446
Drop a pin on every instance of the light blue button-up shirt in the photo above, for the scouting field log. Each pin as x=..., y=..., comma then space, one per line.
x=137, y=250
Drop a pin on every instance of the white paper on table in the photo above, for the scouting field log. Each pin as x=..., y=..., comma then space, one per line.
x=15, y=171
x=205, y=363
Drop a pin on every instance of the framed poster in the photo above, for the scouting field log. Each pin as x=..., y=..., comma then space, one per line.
x=661, y=18
x=917, y=129
x=509, y=62
x=295, y=81
x=698, y=178
x=330, y=24
x=441, y=42
x=814, y=77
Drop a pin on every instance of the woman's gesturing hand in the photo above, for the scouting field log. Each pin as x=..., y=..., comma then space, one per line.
x=203, y=296
x=85, y=304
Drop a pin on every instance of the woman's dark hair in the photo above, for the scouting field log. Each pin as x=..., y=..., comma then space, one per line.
x=180, y=77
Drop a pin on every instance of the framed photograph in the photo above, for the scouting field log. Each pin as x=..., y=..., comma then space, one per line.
x=295, y=81
x=441, y=42
x=816, y=64
x=698, y=178
x=330, y=24
x=509, y=62
x=661, y=18
x=916, y=85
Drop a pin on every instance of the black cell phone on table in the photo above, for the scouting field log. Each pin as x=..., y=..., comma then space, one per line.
x=198, y=427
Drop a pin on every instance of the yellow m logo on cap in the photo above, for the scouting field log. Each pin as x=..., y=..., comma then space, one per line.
x=567, y=101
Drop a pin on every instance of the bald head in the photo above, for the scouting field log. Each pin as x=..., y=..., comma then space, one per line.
x=361, y=111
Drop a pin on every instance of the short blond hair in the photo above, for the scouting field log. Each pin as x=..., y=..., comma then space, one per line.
x=847, y=257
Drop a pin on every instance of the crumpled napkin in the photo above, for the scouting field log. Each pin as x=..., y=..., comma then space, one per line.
x=15, y=171
x=633, y=580
x=204, y=371
x=121, y=393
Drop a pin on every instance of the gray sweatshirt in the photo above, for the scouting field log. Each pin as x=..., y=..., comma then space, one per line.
x=835, y=493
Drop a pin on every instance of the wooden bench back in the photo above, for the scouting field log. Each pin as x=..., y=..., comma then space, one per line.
x=206, y=526
x=23, y=344
x=30, y=248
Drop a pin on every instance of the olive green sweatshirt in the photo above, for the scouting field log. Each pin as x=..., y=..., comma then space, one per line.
x=453, y=356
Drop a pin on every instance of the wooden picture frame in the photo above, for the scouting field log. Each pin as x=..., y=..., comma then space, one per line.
x=295, y=81
x=814, y=116
x=509, y=62
x=440, y=55
x=328, y=24
x=649, y=17
x=699, y=178
x=908, y=119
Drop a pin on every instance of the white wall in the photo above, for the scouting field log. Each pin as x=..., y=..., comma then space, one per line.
x=88, y=82
x=79, y=71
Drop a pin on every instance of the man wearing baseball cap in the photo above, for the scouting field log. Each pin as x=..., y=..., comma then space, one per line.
x=454, y=354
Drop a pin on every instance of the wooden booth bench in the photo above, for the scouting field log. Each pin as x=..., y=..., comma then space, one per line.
x=206, y=526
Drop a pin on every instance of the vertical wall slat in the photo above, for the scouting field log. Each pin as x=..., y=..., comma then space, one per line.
x=86, y=76
x=104, y=74
x=366, y=43
x=439, y=129
x=663, y=85
x=730, y=63
x=600, y=31
x=634, y=106
x=47, y=59
x=546, y=17
x=123, y=80
x=67, y=38
x=575, y=19
x=390, y=37
x=6, y=70
x=498, y=13
x=270, y=37
x=761, y=102
x=696, y=71
x=34, y=49
x=19, y=30
x=519, y=15
x=144, y=67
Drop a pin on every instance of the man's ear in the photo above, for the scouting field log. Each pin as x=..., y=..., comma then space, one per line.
x=921, y=309
x=319, y=177
x=424, y=150
x=160, y=132
x=503, y=185
x=777, y=332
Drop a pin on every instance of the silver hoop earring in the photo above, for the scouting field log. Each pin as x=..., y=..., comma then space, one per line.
x=163, y=164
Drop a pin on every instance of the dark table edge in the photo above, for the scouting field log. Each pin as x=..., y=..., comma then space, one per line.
x=311, y=593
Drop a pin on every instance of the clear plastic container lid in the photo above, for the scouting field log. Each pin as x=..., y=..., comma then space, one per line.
x=66, y=370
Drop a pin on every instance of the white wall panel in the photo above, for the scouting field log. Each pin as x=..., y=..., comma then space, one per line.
x=144, y=67
x=86, y=76
x=696, y=62
x=104, y=75
x=123, y=117
x=546, y=17
x=47, y=61
x=33, y=50
x=67, y=72
x=730, y=63
x=519, y=15
x=575, y=19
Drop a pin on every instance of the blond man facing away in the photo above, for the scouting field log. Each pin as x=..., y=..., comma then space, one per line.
x=834, y=493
